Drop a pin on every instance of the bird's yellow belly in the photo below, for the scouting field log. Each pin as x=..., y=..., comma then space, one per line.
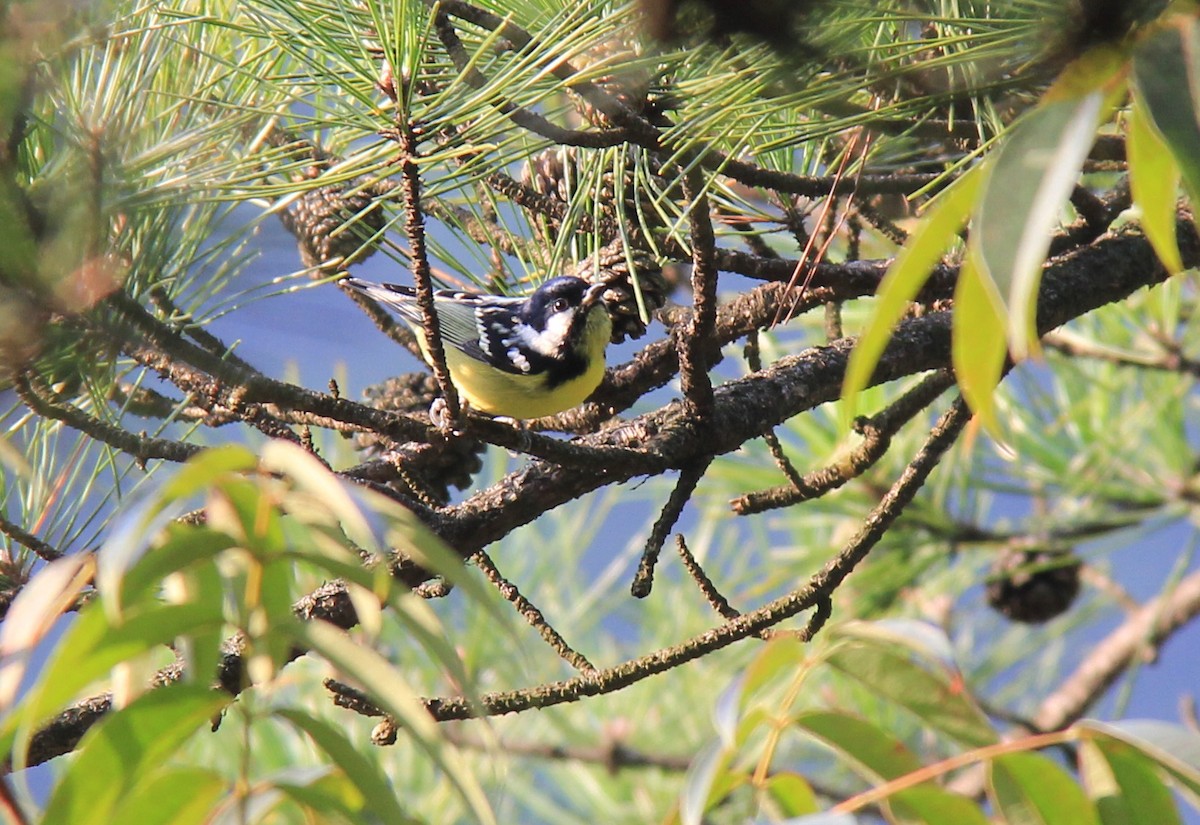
x=518, y=396
x=526, y=396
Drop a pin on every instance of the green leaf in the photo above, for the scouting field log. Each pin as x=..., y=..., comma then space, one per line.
x=32, y=615
x=978, y=347
x=173, y=796
x=244, y=509
x=183, y=546
x=1031, y=789
x=380, y=796
x=119, y=750
x=92, y=646
x=1166, y=74
x=783, y=654
x=1125, y=784
x=939, y=228
x=792, y=794
x=390, y=690
x=1173, y=747
x=203, y=470
x=931, y=805
x=870, y=750
x=702, y=775
x=826, y=818
x=936, y=697
x=1032, y=176
x=328, y=793
x=1154, y=182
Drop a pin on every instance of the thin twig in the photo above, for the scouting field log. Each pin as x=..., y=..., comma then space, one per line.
x=877, y=435
x=754, y=360
x=694, y=338
x=414, y=225
x=711, y=594
x=40, y=548
x=34, y=392
x=530, y=613
x=815, y=593
x=689, y=477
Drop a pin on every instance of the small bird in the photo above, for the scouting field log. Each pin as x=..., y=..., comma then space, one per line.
x=514, y=357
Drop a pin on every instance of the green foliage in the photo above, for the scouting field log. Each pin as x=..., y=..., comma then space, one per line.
x=150, y=142
x=771, y=734
x=271, y=523
x=1027, y=184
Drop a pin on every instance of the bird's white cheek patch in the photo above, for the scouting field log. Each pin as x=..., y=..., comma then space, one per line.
x=543, y=343
x=558, y=327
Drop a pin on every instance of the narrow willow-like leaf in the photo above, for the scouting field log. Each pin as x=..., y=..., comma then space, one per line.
x=931, y=805
x=931, y=694
x=173, y=796
x=781, y=654
x=867, y=748
x=1033, y=172
x=92, y=646
x=124, y=747
x=1174, y=747
x=1166, y=74
x=978, y=345
x=35, y=611
x=1031, y=789
x=907, y=274
x=792, y=794
x=1125, y=784
x=1154, y=182
x=327, y=794
x=698, y=785
x=387, y=687
x=380, y=796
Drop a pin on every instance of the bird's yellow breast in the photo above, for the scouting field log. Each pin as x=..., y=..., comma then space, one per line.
x=528, y=396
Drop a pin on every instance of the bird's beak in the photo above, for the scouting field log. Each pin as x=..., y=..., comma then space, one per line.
x=594, y=293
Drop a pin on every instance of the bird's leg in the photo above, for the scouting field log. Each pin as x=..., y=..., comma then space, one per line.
x=439, y=414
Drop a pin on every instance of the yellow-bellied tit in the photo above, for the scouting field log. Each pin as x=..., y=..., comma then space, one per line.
x=514, y=357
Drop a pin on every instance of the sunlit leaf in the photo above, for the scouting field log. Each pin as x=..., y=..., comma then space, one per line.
x=382, y=799
x=388, y=687
x=1032, y=174
x=706, y=766
x=1166, y=72
x=124, y=746
x=326, y=792
x=868, y=749
x=1174, y=747
x=1124, y=784
x=927, y=803
x=1154, y=182
x=92, y=646
x=978, y=347
x=938, y=698
x=1031, y=789
x=939, y=228
x=791, y=793
x=36, y=610
x=173, y=796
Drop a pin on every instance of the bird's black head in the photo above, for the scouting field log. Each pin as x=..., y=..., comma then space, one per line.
x=558, y=295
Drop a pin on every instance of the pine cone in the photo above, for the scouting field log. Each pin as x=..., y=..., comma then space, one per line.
x=552, y=173
x=612, y=266
x=1033, y=586
x=624, y=79
x=555, y=174
x=336, y=223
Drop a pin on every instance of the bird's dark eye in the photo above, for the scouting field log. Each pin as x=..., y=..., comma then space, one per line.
x=559, y=305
